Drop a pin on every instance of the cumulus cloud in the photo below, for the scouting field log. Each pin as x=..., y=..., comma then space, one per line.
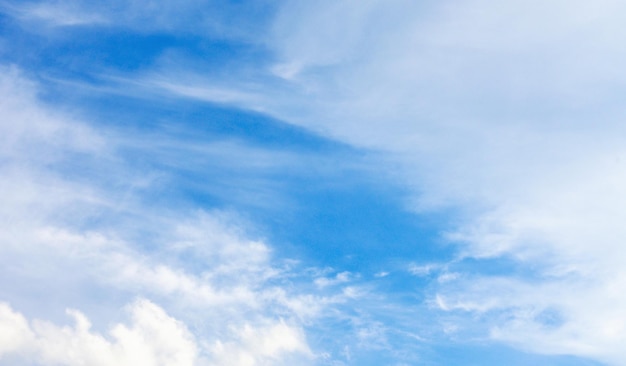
x=15, y=332
x=152, y=338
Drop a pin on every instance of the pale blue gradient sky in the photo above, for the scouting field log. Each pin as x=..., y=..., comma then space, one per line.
x=312, y=183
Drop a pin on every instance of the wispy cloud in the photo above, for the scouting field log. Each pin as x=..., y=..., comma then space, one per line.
x=56, y=15
x=219, y=18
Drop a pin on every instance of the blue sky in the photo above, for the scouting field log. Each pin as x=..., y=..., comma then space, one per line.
x=212, y=182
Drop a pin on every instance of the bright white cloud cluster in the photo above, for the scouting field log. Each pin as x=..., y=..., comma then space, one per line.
x=152, y=338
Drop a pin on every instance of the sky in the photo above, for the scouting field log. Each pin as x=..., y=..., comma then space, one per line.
x=331, y=182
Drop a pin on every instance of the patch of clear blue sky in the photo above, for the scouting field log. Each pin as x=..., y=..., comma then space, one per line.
x=336, y=209
x=484, y=355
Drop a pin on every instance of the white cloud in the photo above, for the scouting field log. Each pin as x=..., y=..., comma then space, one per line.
x=261, y=346
x=221, y=298
x=305, y=40
x=15, y=333
x=422, y=270
x=339, y=278
x=152, y=338
x=61, y=15
x=581, y=316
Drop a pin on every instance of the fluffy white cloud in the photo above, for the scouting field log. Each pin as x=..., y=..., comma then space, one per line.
x=152, y=338
x=15, y=332
x=261, y=346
